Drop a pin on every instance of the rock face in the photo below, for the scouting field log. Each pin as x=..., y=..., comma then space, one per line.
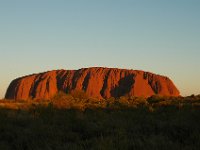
x=96, y=82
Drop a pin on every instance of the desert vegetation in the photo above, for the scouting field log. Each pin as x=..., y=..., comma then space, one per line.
x=75, y=121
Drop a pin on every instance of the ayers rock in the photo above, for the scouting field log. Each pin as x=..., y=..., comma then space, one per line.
x=97, y=82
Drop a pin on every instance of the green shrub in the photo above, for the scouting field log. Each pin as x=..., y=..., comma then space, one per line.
x=79, y=94
x=62, y=100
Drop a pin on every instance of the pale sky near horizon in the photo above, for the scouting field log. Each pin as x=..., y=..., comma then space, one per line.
x=160, y=36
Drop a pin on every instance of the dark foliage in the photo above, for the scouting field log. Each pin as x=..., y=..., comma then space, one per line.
x=48, y=128
x=76, y=122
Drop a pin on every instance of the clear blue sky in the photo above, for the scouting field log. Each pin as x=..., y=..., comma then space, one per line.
x=161, y=36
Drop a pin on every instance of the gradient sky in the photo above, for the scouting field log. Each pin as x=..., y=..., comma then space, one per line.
x=161, y=36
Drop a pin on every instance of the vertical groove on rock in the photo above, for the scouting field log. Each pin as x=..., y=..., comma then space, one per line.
x=85, y=82
x=35, y=85
x=105, y=83
x=124, y=86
